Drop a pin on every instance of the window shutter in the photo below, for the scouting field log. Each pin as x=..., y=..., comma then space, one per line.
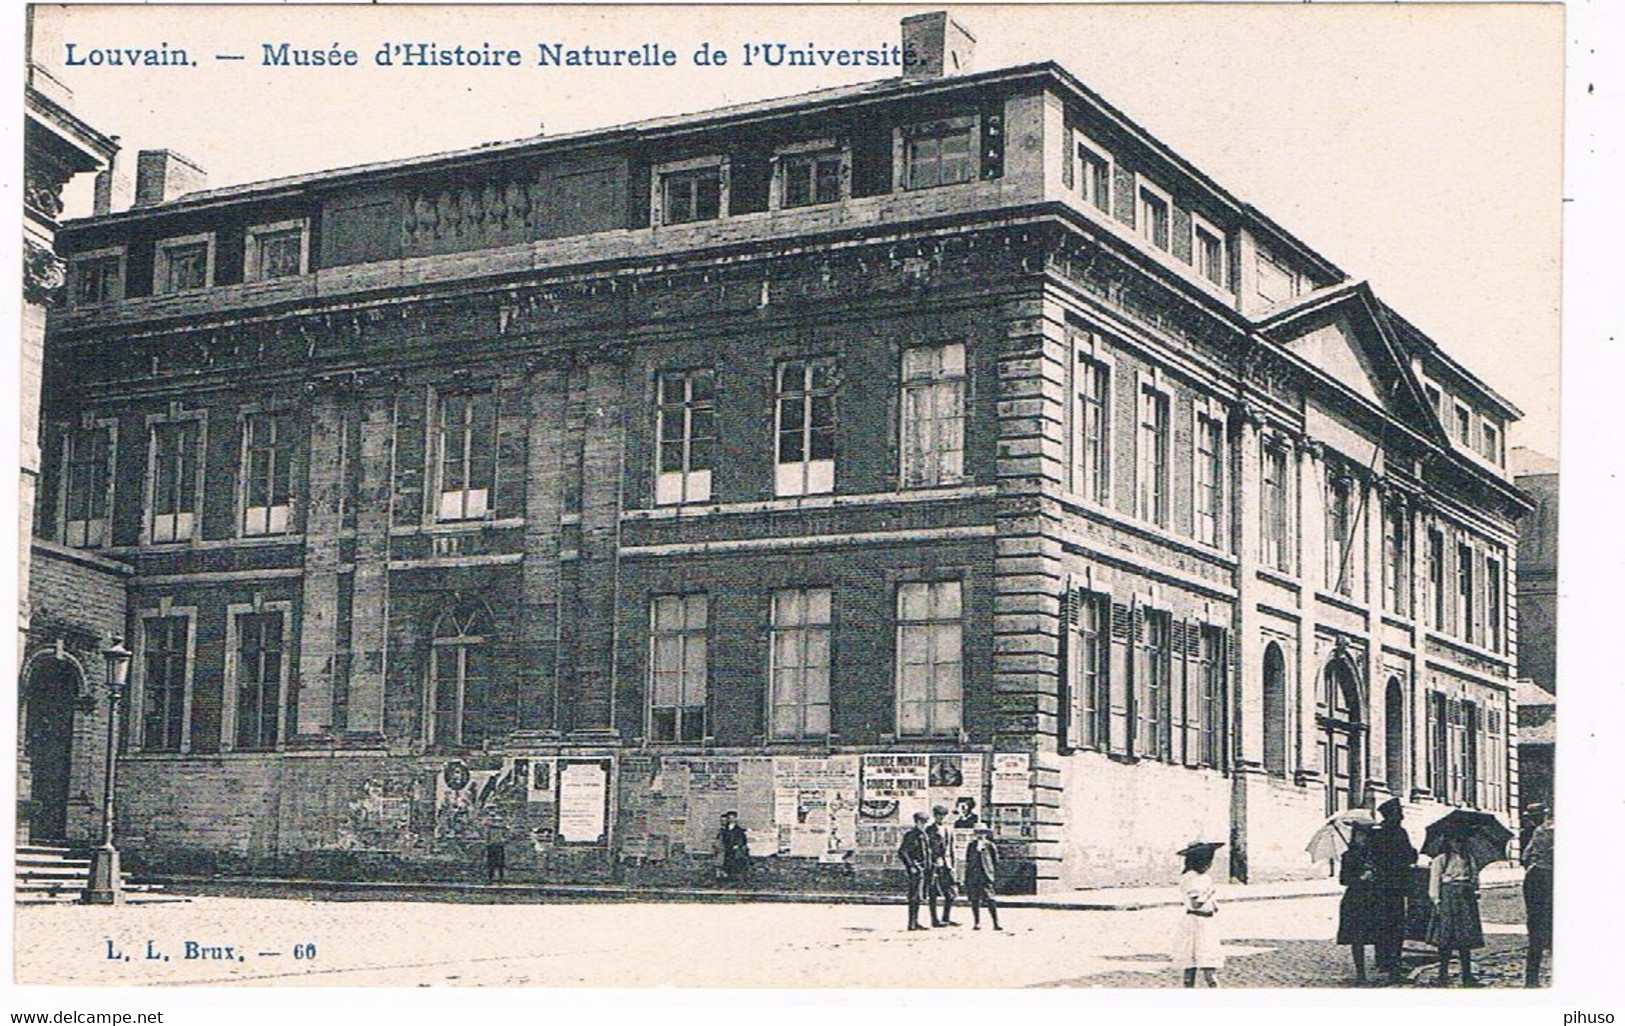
x=1067, y=700
x=1122, y=678
x=411, y=456
x=1190, y=723
x=1142, y=679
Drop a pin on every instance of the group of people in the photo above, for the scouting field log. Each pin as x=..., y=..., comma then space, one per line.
x=1375, y=872
x=928, y=857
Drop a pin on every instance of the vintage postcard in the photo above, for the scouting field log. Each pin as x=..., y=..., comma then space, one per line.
x=723, y=497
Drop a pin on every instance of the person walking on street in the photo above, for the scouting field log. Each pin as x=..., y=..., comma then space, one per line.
x=1453, y=886
x=915, y=855
x=981, y=872
x=1196, y=942
x=1390, y=855
x=496, y=852
x=1354, y=919
x=1537, y=890
x=734, y=847
x=943, y=883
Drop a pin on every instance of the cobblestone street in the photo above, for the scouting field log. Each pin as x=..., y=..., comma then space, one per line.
x=213, y=941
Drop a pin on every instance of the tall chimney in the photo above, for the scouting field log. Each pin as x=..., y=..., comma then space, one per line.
x=162, y=175
x=939, y=46
x=112, y=186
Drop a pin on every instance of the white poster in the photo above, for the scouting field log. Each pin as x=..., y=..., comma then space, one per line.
x=815, y=805
x=583, y=802
x=1012, y=779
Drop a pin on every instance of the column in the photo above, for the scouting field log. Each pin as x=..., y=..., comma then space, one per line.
x=1312, y=572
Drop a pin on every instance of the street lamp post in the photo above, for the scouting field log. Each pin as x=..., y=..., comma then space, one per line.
x=105, y=886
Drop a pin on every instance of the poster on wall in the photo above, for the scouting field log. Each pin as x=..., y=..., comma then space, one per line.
x=1012, y=779
x=815, y=802
x=584, y=801
x=895, y=787
x=541, y=781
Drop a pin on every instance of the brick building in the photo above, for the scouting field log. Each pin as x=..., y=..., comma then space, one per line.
x=943, y=438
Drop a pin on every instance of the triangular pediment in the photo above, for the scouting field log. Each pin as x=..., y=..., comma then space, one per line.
x=1341, y=333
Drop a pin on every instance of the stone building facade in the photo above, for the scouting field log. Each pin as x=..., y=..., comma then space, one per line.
x=943, y=439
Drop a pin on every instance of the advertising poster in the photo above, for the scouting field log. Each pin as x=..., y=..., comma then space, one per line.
x=895, y=787
x=584, y=802
x=815, y=803
x=1012, y=779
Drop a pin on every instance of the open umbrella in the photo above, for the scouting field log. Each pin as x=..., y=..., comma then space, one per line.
x=1480, y=836
x=1332, y=839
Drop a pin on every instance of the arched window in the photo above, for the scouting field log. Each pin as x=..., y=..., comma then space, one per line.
x=1393, y=709
x=1275, y=746
x=459, y=677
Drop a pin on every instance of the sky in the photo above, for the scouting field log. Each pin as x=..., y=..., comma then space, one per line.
x=1417, y=147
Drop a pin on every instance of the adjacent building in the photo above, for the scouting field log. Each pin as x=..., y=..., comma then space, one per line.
x=940, y=439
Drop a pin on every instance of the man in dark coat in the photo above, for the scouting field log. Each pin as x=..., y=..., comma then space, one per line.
x=735, y=848
x=1537, y=889
x=915, y=855
x=981, y=870
x=942, y=882
x=1390, y=856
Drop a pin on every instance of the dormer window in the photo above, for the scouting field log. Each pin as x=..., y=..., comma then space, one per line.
x=1209, y=251
x=184, y=264
x=97, y=277
x=1092, y=173
x=275, y=251
x=1154, y=215
x=692, y=190
x=939, y=153
x=811, y=178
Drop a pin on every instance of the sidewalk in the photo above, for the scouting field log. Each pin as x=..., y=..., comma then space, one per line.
x=1103, y=899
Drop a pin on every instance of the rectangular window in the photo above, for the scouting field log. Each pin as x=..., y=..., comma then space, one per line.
x=164, y=643
x=268, y=449
x=172, y=511
x=467, y=446
x=1277, y=551
x=1208, y=245
x=800, y=664
x=1093, y=176
x=930, y=668
x=1153, y=217
x=1340, y=531
x=1435, y=399
x=1091, y=681
x=1276, y=282
x=933, y=418
x=693, y=195
x=685, y=429
x=1436, y=589
x=1471, y=779
x=944, y=156
x=1094, y=430
x=677, y=668
x=1464, y=593
x=1492, y=442
x=811, y=179
x=98, y=279
x=1154, y=685
x=1493, y=612
x=1209, y=476
x=1210, y=699
x=806, y=427
x=274, y=251
x=1396, y=562
x=87, y=480
x=259, y=672
x=1439, y=743
x=183, y=265
x=1152, y=475
x=1464, y=426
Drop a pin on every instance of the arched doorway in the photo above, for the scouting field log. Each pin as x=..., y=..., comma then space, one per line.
x=51, y=689
x=1342, y=760
x=1393, y=718
x=1275, y=746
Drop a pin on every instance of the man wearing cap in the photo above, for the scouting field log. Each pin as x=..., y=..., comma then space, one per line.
x=1391, y=856
x=735, y=848
x=915, y=855
x=1537, y=889
x=943, y=883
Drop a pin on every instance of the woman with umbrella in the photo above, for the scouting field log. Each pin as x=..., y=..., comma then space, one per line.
x=1461, y=843
x=1355, y=925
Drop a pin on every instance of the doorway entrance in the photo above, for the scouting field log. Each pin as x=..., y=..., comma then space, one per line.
x=51, y=689
x=1343, y=737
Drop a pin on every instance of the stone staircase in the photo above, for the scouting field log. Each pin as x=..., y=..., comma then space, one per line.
x=57, y=874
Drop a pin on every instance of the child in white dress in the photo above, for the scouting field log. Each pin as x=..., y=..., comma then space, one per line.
x=1196, y=942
